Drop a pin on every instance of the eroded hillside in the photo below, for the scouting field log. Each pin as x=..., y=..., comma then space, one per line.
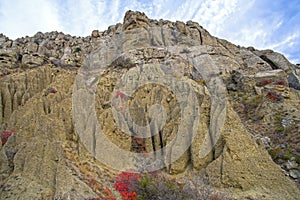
x=76, y=111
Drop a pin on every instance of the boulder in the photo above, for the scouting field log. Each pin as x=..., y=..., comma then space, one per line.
x=135, y=20
x=33, y=60
x=294, y=81
x=8, y=59
x=95, y=34
x=31, y=47
x=275, y=60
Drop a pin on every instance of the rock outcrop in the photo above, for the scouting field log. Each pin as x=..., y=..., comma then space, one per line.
x=195, y=103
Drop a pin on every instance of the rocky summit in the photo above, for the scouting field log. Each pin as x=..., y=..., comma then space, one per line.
x=77, y=111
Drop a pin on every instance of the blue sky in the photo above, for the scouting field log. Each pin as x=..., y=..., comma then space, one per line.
x=264, y=24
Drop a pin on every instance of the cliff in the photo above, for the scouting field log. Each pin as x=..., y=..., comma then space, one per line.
x=79, y=110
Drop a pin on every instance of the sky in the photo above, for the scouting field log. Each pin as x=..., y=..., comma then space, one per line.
x=263, y=24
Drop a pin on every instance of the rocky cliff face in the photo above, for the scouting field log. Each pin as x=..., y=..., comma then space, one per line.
x=195, y=103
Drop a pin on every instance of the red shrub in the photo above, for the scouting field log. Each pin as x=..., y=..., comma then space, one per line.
x=120, y=94
x=264, y=82
x=124, y=182
x=5, y=135
x=52, y=91
x=279, y=83
x=273, y=96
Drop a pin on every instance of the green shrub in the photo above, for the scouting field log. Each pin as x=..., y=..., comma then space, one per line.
x=278, y=118
x=280, y=129
x=287, y=156
x=151, y=187
x=274, y=153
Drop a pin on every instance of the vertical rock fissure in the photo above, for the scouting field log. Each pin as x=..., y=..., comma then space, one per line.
x=11, y=96
x=163, y=36
x=161, y=143
x=1, y=108
x=212, y=144
x=221, y=166
x=120, y=48
x=94, y=141
x=152, y=43
x=153, y=144
x=54, y=181
x=200, y=36
x=175, y=37
x=44, y=107
x=152, y=132
x=26, y=81
x=49, y=109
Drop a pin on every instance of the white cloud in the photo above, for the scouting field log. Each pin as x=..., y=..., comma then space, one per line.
x=27, y=17
x=289, y=41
